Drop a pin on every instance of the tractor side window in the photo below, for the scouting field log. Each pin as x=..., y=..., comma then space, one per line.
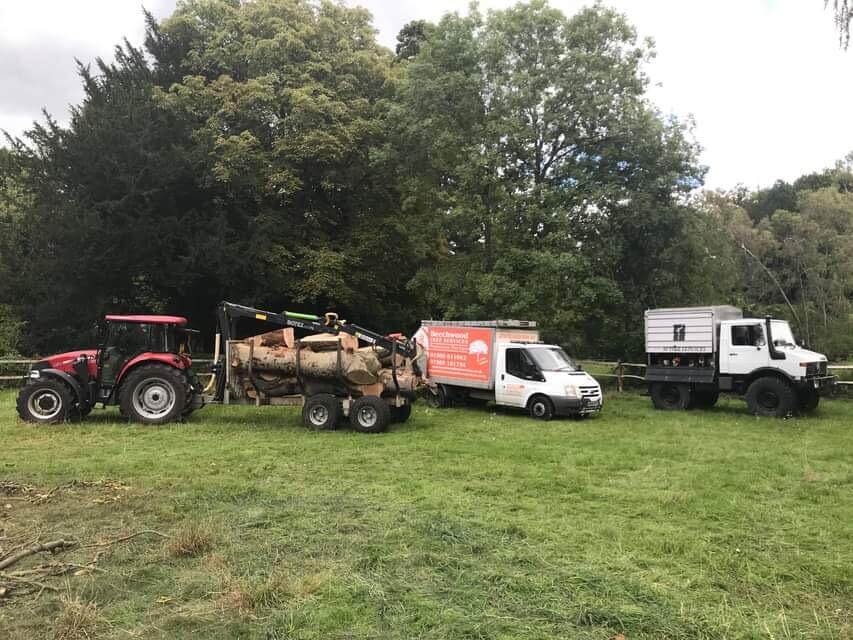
x=130, y=337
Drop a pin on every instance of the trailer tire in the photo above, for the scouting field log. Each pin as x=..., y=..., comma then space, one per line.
x=541, y=408
x=370, y=414
x=154, y=394
x=771, y=397
x=401, y=414
x=670, y=396
x=809, y=399
x=321, y=412
x=47, y=401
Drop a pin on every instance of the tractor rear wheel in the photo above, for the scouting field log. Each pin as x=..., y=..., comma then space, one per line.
x=47, y=401
x=154, y=394
x=370, y=414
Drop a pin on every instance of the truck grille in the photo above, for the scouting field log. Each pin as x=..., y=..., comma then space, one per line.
x=816, y=368
x=591, y=393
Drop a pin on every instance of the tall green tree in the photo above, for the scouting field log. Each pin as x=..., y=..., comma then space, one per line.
x=536, y=145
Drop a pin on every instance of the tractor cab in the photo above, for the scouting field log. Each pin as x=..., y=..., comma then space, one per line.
x=142, y=364
x=128, y=340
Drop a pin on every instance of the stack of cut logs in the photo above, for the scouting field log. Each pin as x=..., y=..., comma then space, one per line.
x=271, y=364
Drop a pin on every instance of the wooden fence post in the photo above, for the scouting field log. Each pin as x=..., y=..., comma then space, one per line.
x=620, y=372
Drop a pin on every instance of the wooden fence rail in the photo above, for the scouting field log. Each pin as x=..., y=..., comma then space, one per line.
x=619, y=370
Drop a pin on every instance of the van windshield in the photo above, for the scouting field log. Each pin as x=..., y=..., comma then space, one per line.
x=552, y=359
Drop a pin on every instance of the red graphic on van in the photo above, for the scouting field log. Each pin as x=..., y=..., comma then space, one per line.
x=463, y=353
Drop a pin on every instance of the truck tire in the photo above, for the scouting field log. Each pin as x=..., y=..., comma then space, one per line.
x=438, y=399
x=771, y=398
x=321, y=412
x=670, y=396
x=370, y=414
x=541, y=407
x=48, y=401
x=154, y=394
x=704, y=399
x=401, y=414
x=809, y=399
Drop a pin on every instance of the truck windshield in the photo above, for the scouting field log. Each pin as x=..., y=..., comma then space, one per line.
x=782, y=335
x=553, y=359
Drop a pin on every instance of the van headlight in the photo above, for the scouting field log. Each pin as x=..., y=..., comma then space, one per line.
x=572, y=391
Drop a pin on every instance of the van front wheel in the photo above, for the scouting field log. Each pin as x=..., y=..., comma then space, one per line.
x=541, y=408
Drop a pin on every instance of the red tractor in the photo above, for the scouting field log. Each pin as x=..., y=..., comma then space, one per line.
x=143, y=366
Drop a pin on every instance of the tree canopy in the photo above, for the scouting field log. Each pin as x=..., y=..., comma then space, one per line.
x=507, y=164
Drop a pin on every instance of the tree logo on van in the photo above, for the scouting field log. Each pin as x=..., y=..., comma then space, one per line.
x=481, y=350
x=679, y=331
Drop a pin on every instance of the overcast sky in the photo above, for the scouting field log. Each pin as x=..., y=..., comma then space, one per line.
x=765, y=80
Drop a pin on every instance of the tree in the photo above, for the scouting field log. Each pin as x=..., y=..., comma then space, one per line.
x=543, y=163
x=241, y=154
x=410, y=38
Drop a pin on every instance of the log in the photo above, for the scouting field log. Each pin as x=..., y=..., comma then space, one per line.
x=359, y=367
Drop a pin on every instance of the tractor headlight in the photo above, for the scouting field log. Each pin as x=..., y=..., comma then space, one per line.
x=572, y=391
x=34, y=374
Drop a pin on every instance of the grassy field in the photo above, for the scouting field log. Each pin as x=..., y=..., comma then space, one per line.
x=462, y=523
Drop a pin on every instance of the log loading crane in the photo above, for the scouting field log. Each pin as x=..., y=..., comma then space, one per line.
x=328, y=373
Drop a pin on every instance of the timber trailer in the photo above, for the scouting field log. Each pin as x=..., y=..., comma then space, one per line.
x=327, y=372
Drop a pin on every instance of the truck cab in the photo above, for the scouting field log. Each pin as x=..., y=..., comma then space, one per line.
x=745, y=352
x=526, y=371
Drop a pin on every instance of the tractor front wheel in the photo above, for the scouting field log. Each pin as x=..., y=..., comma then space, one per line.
x=47, y=401
x=154, y=394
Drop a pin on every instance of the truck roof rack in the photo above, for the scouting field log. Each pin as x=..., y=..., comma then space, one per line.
x=492, y=324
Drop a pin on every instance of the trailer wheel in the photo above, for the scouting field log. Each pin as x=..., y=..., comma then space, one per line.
x=370, y=414
x=47, y=401
x=541, y=408
x=670, y=396
x=771, y=398
x=154, y=394
x=321, y=412
x=809, y=399
x=401, y=414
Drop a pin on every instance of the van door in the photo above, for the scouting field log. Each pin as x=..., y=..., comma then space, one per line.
x=515, y=375
x=743, y=348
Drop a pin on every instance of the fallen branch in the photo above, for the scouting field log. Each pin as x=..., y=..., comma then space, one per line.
x=49, y=547
x=124, y=539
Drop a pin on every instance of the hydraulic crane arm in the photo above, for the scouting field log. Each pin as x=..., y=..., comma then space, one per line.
x=229, y=313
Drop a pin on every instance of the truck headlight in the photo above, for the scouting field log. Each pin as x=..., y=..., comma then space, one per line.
x=572, y=391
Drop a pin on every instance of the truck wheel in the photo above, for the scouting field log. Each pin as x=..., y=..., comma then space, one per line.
x=541, y=408
x=771, y=397
x=154, y=394
x=438, y=398
x=321, y=411
x=809, y=399
x=704, y=399
x=670, y=396
x=47, y=401
x=370, y=414
x=401, y=414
